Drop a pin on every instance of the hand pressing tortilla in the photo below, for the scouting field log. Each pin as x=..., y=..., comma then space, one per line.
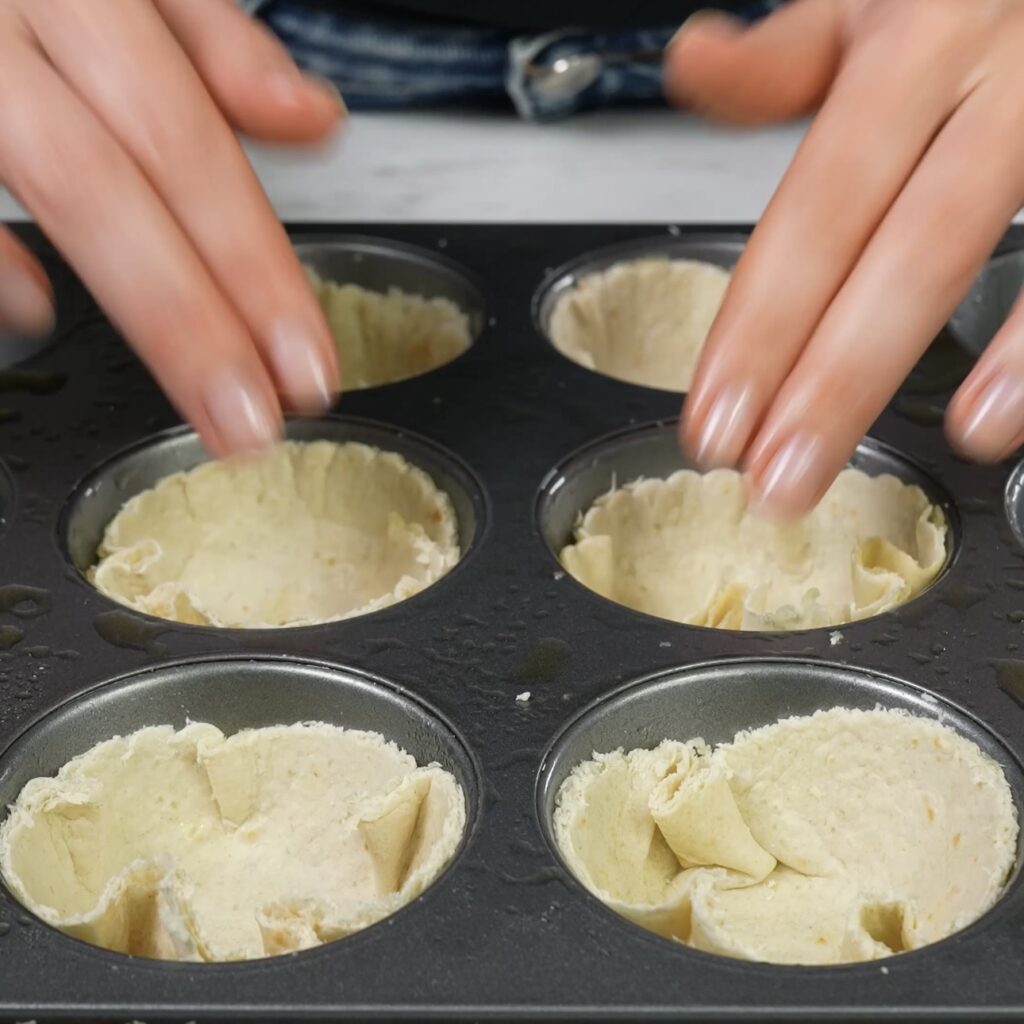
x=689, y=548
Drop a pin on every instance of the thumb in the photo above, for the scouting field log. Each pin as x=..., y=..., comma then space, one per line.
x=777, y=68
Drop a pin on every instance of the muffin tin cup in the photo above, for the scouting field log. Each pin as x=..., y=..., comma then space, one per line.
x=506, y=649
x=379, y=265
x=652, y=451
x=716, y=700
x=235, y=694
x=720, y=249
x=99, y=496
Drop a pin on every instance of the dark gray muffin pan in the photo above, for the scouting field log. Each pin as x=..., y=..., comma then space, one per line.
x=522, y=439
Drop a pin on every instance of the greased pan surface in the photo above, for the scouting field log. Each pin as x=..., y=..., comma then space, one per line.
x=505, y=933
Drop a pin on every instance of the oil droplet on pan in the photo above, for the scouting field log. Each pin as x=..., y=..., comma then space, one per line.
x=23, y=601
x=1010, y=676
x=9, y=636
x=129, y=631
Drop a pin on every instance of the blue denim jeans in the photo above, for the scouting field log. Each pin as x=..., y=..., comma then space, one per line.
x=388, y=64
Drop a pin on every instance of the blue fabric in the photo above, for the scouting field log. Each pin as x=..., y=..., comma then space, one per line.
x=387, y=64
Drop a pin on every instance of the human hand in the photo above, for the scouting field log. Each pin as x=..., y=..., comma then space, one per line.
x=909, y=174
x=116, y=123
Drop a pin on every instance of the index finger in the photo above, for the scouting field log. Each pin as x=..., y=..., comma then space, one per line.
x=126, y=64
x=856, y=157
x=96, y=205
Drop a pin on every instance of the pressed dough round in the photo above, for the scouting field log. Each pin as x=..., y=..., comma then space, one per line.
x=842, y=836
x=643, y=321
x=309, y=532
x=189, y=845
x=390, y=336
x=688, y=548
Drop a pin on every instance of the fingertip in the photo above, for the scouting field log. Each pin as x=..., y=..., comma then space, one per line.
x=953, y=420
x=690, y=421
x=27, y=303
x=777, y=508
x=286, y=106
x=304, y=366
x=240, y=413
x=757, y=502
x=329, y=94
x=704, y=25
x=694, y=51
x=718, y=437
x=747, y=73
x=250, y=73
x=288, y=89
x=787, y=481
x=985, y=420
x=26, y=300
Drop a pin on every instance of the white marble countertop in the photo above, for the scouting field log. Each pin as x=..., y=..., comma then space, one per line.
x=627, y=167
x=639, y=166
x=655, y=166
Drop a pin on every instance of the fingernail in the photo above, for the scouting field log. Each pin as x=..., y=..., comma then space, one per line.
x=25, y=305
x=794, y=478
x=995, y=421
x=709, y=19
x=727, y=428
x=239, y=413
x=300, y=368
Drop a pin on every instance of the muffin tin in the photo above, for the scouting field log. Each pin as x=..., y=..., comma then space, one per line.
x=513, y=431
